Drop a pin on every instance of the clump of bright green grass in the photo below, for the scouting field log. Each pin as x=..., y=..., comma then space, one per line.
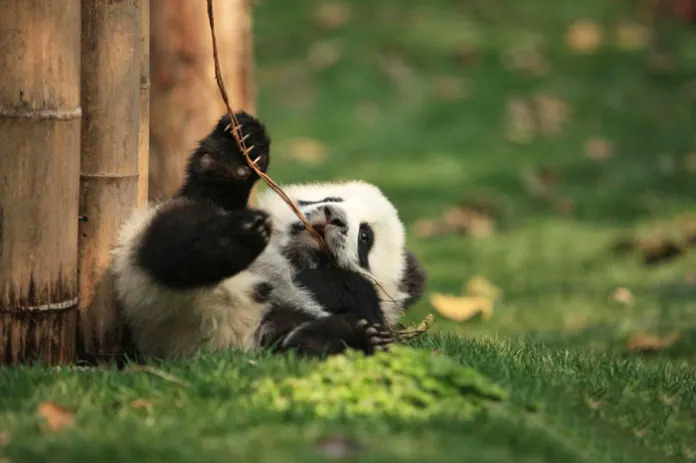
x=404, y=383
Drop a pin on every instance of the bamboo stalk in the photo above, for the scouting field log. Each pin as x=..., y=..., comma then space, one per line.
x=39, y=167
x=111, y=58
x=144, y=133
x=185, y=103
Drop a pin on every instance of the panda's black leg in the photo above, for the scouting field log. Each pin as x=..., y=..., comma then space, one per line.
x=334, y=334
x=193, y=244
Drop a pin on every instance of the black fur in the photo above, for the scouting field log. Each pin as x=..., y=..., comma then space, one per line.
x=343, y=291
x=414, y=279
x=197, y=244
x=208, y=234
x=333, y=334
x=217, y=171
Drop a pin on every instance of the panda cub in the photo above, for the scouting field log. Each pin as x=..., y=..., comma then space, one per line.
x=204, y=271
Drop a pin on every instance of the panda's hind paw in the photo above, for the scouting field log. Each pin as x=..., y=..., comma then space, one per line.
x=378, y=337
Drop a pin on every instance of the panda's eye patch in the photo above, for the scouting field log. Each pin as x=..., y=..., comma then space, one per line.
x=366, y=237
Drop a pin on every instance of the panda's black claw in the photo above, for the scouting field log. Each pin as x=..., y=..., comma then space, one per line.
x=371, y=331
x=376, y=337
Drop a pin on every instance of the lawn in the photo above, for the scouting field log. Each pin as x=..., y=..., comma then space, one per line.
x=430, y=100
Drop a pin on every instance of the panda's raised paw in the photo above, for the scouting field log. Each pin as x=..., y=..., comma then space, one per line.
x=251, y=228
x=254, y=137
x=258, y=223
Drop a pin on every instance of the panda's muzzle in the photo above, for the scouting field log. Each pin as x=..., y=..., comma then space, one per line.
x=323, y=219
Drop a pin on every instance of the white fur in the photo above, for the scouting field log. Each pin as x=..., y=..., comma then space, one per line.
x=167, y=322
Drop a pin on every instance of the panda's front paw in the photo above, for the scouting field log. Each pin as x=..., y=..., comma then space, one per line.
x=254, y=136
x=250, y=229
x=258, y=224
x=378, y=337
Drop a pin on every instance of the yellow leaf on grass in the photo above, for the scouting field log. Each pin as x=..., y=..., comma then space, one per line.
x=461, y=308
x=645, y=342
x=56, y=416
x=632, y=36
x=622, y=295
x=584, y=36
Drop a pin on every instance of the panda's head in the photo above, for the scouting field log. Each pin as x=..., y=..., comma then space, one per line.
x=362, y=230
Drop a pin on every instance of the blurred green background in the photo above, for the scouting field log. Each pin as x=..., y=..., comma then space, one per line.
x=556, y=129
x=546, y=149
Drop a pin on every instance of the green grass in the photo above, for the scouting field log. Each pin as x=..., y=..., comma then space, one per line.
x=562, y=406
x=554, y=342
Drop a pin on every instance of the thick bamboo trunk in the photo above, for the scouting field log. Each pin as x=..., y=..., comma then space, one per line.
x=111, y=49
x=185, y=100
x=39, y=168
x=144, y=133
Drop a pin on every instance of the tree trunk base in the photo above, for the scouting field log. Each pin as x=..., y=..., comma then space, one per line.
x=46, y=336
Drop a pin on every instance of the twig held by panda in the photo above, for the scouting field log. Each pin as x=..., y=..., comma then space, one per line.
x=235, y=128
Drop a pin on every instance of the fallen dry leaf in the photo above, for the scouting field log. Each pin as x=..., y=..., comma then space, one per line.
x=593, y=404
x=552, y=113
x=367, y=111
x=469, y=221
x=461, y=308
x=645, y=342
x=584, y=36
x=333, y=15
x=405, y=333
x=520, y=126
x=660, y=249
x=598, y=149
x=690, y=162
x=565, y=206
x=528, y=57
x=427, y=228
x=459, y=220
x=632, y=36
x=140, y=403
x=660, y=61
x=448, y=88
x=480, y=286
x=323, y=54
x=621, y=295
x=56, y=416
x=306, y=150
x=396, y=69
x=468, y=54
x=4, y=438
x=539, y=114
x=690, y=277
x=541, y=182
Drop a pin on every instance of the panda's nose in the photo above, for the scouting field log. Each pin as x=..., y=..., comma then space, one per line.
x=335, y=217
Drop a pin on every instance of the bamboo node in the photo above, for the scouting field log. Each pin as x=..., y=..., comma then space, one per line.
x=62, y=305
x=58, y=114
x=106, y=175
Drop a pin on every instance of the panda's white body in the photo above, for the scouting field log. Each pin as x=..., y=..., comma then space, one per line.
x=170, y=322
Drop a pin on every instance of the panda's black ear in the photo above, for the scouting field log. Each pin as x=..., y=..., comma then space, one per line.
x=414, y=279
